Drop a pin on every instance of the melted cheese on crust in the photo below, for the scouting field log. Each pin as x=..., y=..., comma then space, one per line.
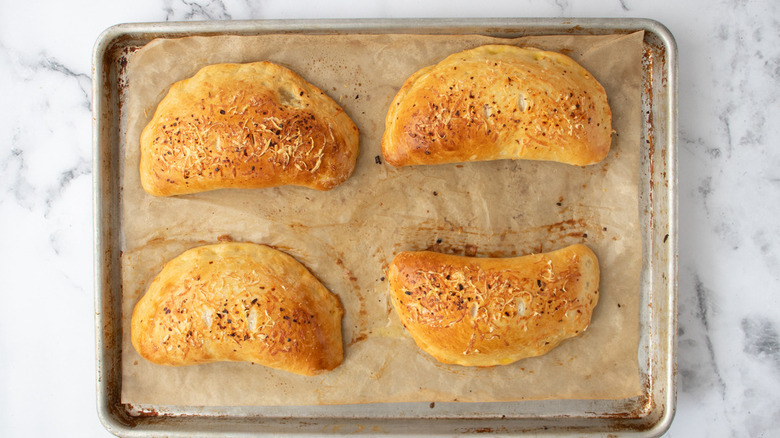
x=488, y=311
x=499, y=102
x=239, y=302
x=246, y=126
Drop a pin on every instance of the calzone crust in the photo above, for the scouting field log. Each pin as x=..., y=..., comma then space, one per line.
x=249, y=125
x=494, y=311
x=239, y=302
x=499, y=102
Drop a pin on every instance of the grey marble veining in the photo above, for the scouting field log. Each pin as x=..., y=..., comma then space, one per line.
x=729, y=197
x=187, y=11
x=728, y=231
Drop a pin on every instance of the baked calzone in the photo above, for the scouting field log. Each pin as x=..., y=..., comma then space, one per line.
x=246, y=126
x=499, y=102
x=494, y=311
x=239, y=302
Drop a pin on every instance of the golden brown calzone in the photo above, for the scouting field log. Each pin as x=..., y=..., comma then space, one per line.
x=499, y=102
x=494, y=311
x=246, y=126
x=239, y=302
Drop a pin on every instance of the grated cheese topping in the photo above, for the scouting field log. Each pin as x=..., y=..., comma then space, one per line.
x=239, y=308
x=237, y=136
x=490, y=302
x=543, y=114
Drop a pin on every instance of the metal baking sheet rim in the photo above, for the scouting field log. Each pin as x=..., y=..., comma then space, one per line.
x=650, y=414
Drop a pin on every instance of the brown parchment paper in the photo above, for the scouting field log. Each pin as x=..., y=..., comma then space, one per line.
x=347, y=236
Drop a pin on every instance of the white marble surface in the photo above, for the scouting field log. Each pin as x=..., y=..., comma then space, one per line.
x=729, y=193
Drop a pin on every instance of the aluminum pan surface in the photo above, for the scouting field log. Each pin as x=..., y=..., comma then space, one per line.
x=647, y=415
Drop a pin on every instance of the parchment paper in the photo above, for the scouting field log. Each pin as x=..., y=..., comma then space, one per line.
x=347, y=236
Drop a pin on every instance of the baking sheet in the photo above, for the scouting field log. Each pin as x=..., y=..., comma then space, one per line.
x=347, y=235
